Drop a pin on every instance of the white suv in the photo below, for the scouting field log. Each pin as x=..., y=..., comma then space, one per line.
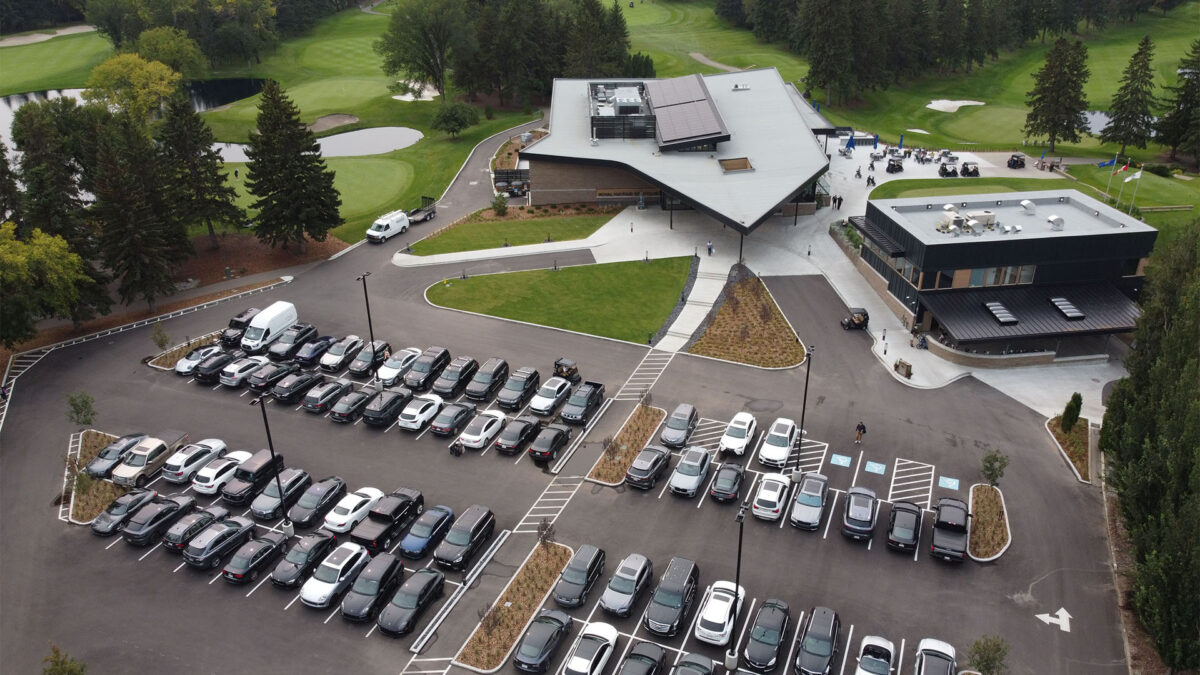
x=739, y=434
x=777, y=446
x=334, y=575
x=721, y=602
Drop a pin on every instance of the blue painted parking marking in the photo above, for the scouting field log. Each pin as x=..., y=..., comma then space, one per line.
x=840, y=460
x=876, y=467
x=948, y=483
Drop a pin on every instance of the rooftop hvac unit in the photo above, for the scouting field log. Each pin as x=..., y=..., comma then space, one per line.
x=1016, y=229
x=1005, y=229
x=974, y=225
x=1028, y=207
x=949, y=208
x=1056, y=223
x=953, y=230
x=985, y=217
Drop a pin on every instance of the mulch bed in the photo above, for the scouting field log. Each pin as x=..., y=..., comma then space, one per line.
x=749, y=328
x=92, y=495
x=988, y=533
x=548, y=211
x=244, y=254
x=620, y=452
x=1075, y=443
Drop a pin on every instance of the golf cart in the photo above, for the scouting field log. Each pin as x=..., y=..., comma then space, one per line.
x=969, y=170
x=1017, y=161
x=895, y=165
x=947, y=171
x=567, y=369
x=877, y=155
x=846, y=152
x=858, y=319
x=896, y=152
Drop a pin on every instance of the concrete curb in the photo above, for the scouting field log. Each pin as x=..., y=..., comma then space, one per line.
x=349, y=248
x=504, y=661
x=540, y=118
x=71, y=507
x=1007, y=526
x=154, y=358
x=1062, y=452
x=499, y=253
x=588, y=478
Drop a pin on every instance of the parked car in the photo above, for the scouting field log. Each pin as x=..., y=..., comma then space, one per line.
x=352, y=509
x=519, y=388
x=771, y=500
x=595, y=646
x=213, y=477
x=482, y=430
x=778, y=443
x=935, y=657
x=646, y=658
x=189, y=525
x=351, y=405
x=311, y=352
x=767, y=635
x=419, y=412
x=739, y=434
x=269, y=505
x=291, y=340
x=182, y=466
x=452, y=419
x=387, y=226
x=206, y=549
x=237, y=374
x=387, y=519
x=322, y=397
x=517, y=433
x=876, y=656
x=550, y=396
x=148, y=458
x=396, y=365
x=904, y=526
x=385, y=408
x=269, y=375
x=209, y=370
x=808, y=508
x=673, y=598
x=859, y=513
x=341, y=353
x=950, y=530
x=254, y=557
x=583, y=404
x=302, y=558
x=694, y=664
x=232, y=335
x=466, y=537
x=691, y=472
x=334, y=575
x=721, y=602
x=188, y=363
x=648, y=467
x=858, y=318
x=117, y=513
x=488, y=379
x=552, y=440
x=148, y=524
x=727, y=485
x=680, y=426
x=375, y=585
x=267, y=326
x=542, y=638
x=455, y=377
x=818, y=645
x=370, y=357
x=627, y=584
x=579, y=576
x=251, y=477
x=316, y=501
x=415, y=595
x=112, y=455
x=293, y=387
x=426, y=532
x=427, y=368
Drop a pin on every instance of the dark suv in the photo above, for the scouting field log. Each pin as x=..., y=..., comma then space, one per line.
x=673, y=598
x=579, y=576
x=426, y=368
x=648, y=467
x=468, y=534
x=290, y=342
x=455, y=377
x=488, y=379
x=818, y=646
x=251, y=477
x=372, y=356
x=520, y=387
x=232, y=336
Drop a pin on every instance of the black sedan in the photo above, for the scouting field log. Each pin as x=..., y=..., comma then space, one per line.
x=321, y=398
x=302, y=558
x=373, y=586
x=294, y=386
x=310, y=354
x=383, y=410
x=321, y=496
x=552, y=440
x=372, y=356
x=410, y=601
x=517, y=434
x=148, y=524
x=176, y=539
x=253, y=557
x=209, y=370
x=648, y=467
x=452, y=419
x=646, y=658
x=207, y=548
x=455, y=378
x=427, y=532
x=268, y=376
x=349, y=407
x=767, y=635
x=904, y=526
x=541, y=640
x=120, y=511
x=112, y=455
x=727, y=486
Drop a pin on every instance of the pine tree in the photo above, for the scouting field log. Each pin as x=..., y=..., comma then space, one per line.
x=294, y=188
x=192, y=168
x=951, y=50
x=1180, y=126
x=1057, y=102
x=587, y=53
x=51, y=200
x=10, y=195
x=1131, y=120
x=830, y=53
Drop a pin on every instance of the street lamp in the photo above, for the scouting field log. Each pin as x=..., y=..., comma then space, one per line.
x=808, y=356
x=370, y=331
x=285, y=525
x=731, y=655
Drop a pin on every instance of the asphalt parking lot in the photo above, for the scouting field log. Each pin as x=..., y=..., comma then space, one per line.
x=123, y=609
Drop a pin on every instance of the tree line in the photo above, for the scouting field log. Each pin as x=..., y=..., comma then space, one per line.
x=21, y=15
x=512, y=49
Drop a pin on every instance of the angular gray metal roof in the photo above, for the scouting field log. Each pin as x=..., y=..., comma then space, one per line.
x=966, y=315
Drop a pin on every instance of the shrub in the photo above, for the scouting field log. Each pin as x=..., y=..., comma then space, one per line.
x=159, y=336
x=1071, y=413
x=500, y=204
x=852, y=235
x=488, y=112
x=994, y=463
x=988, y=654
x=1163, y=170
x=452, y=118
x=81, y=408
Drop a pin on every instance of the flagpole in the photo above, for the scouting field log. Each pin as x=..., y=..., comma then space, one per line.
x=1135, y=191
x=1110, y=175
x=1119, y=193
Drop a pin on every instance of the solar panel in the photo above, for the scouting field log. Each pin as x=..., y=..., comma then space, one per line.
x=1001, y=313
x=676, y=90
x=1068, y=309
x=686, y=120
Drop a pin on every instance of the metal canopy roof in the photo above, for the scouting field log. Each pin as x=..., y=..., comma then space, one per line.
x=967, y=316
x=882, y=240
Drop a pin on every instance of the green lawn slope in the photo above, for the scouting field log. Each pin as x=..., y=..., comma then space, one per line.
x=59, y=63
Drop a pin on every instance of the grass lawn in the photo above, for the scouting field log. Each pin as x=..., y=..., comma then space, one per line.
x=625, y=301
x=929, y=187
x=59, y=63
x=482, y=235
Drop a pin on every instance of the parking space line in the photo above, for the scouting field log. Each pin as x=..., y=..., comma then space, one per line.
x=849, y=647
x=217, y=387
x=832, y=510
x=423, y=431
x=371, y=631
x=520, y=456
x=265, y=580
x=332, y=614
x=664, y=488
x=214, y=578
x=900, y=663
x=114, y=543
x=787, y=504
x=857, y=466
x=178, y=568
x=912, y=481
x=147, y=553
x=745, y=625
x=247, y=391
x=795, y=640
x=701, y=496
x=289, y=605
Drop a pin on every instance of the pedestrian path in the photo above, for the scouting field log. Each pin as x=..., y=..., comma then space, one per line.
x=645, y=375
x=710, y=279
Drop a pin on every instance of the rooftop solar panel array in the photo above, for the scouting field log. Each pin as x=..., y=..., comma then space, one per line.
x=676, y=90
x=684, y=111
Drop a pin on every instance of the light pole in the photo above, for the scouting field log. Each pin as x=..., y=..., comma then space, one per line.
x=370, y=331
x=731, y=655
x=808, y=356
x=285, y=525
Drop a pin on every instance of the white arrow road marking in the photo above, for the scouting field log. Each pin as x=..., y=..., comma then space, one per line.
x=1062, y=617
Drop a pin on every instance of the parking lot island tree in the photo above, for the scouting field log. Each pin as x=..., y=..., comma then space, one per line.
x=81, y=408
x=1071, y=412
x=1057, y=102
x=993, y=466
x=58, y=662
x=1179, y=127
x=39, y=278
x=159, y=336
x=420, y=41
x=1131, y=117
x=989, y=655
x=293, y=188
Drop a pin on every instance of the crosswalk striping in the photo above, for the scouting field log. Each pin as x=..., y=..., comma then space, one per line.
x=645, y=375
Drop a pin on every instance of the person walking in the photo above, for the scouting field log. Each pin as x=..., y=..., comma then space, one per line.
x=858, y=432
x=710, y=246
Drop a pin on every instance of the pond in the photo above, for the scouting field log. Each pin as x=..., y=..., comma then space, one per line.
x=373, y=141
x=1096, y=120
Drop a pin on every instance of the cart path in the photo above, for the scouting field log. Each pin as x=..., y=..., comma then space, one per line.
x=715, y=64
x=17, y=40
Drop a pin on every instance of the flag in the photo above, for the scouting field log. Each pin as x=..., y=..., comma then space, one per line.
x=876, y=144
x=1134, y=176
x=850, y=143
x=1043, y=154
x=1111, y=162
x=1124, y=168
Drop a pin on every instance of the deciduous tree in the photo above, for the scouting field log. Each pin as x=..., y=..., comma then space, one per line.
x=59, y=663
x=10, y=195
x=39, y=278
x=173, y=47
x=453, y=118
x=1057, y=102
x=1131, y=117
x=130, y=83
x=420, y=41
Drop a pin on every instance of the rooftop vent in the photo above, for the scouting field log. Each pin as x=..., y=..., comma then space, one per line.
x=1028, y=207
x=1001, y=313
x=949, y=208
x=735, y=164
x=1006, y=229
x=742, y=86
x=1068, y=309
x=1056, y=223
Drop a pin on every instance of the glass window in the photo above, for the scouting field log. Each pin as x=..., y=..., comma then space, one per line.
x=1027, y=273
x=995, y=276
x=1011, y=274
x=976, y=278
x=945, y=278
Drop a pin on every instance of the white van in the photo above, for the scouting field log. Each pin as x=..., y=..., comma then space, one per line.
x=267, y=326
x=387, y=226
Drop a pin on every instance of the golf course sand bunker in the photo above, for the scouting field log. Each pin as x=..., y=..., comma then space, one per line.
x=373, y=141
x=946, y=105
x=327, y=122
x=918, y=131
x=427, y=94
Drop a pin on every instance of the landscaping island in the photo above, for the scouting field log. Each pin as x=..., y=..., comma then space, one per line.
x=89, y=496
x=989, y=528
x=620, y=452
x=749, y=328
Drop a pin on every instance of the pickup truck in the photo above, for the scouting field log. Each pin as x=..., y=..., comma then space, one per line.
x=147, y=458
x=950, y=530
x=388, y=519
x=583, y=403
